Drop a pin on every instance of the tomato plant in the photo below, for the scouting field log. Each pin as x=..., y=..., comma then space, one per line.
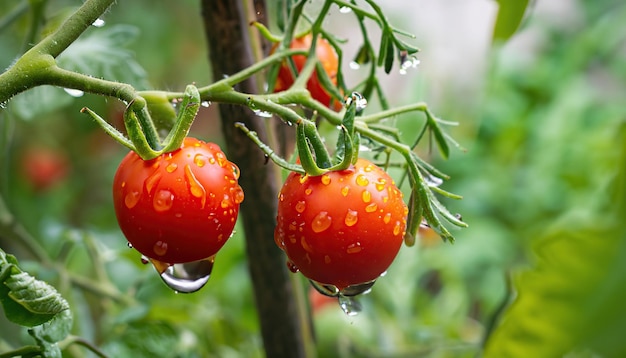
x=328, y=58
x=342, y=228
x=178, y=207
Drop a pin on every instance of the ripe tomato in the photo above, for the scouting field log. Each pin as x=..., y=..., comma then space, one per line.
x=326, y=55
x=343, y=228
x=181, y=206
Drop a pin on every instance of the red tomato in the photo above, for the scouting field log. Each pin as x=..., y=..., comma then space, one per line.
x=342, y=228
x=326, y=55
x=181, y=206
x=44, y=168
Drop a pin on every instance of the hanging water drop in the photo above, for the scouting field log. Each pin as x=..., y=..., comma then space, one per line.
x=324, y=289
x=407, y=62
x=205, y=104
x=354, y=65
x=188, y=277
x=130, y=246
x=74, y=92
x=350, y=305
x=358, y=289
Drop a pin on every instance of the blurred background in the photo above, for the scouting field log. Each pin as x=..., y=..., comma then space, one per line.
x=539, y=122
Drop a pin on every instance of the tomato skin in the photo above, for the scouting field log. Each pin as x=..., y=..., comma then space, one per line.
x=342, y=228
x=330, y=62
x=43, y=167
x=181, y=206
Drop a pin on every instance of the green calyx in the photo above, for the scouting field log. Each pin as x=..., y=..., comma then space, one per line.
x=314, y=156
x=145, y=116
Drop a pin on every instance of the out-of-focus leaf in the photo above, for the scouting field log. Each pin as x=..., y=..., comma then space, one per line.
x=26, y=300
x=55, y=329
x=104, y=53
x=573, y=300
x=510, y=15
x=38, y=102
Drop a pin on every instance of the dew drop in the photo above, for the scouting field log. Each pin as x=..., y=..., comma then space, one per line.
x=350, y=305
x=354, y=65
x=407, y=62
x=325, y=179
x=380, y=184
x=225, y=203
x=305, y=244
x=321, y=222
x=152, y=180
x=293, y=226
x=371, y=207
x=281, y=197
x=171, y=167
x=130, y=246
x=144, y=259
x=387, y=218
x=98, y=23
x=292, y=238
x=292, y=267
x=236, y=171
x=308, y=191
x=362, y=180
x=325, y=289
x=354, y=248
x=199, y=160
x=345, y=190
x=205, y=104
x=351, y=218
x=368, y=168
x=221, y=159
x=358, y=289
x=195, y=187
x=300, y=206
x=160, y=248
x=74, y=92
x=188, y=277
x=366, y=196
x=238, y=194
x=397, y=228
x=131, y=199
x=303, y=179
x=163, y=200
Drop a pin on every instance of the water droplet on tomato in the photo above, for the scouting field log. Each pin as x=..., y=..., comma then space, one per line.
x=380, y=184
x=321, y=222
x=131, y=199
x=325, y=289
x=397, y=228
x=362, y=180
x=144, y=259
x=195, y=187
x=354, y=248
x=366, y=196
x=350, y=305
x=371, y=207
x=236, y=171
x=170, y=168
x=325, y=179
x=130, y=246
x=345, y=190
x=300, y=206
x=199, y=160
x=221, y=159
x=188, y=277
x=292, y=267
x=387, y=218
x=160, y=248
x=225, y=202
x=351, y=218
x=163, y=200
x=152, y=180
x=308, y=191
x=238, y=194
x=358, y=289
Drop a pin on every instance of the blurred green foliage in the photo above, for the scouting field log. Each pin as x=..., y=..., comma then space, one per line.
x=542, y=196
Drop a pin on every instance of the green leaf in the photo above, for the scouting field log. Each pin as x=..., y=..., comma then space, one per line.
x=510, y=16
x=27, y=301
x=103, y=53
